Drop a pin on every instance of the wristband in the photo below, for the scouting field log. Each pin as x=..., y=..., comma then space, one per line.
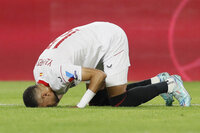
x=86, y=98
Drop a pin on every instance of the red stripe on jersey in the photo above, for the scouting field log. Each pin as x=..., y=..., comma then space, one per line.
x=43, y=82
x=68, y=35
x=118, y=53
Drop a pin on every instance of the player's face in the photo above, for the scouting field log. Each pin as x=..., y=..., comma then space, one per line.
x=46, y=97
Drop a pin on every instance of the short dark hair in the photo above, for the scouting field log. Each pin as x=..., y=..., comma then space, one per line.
x=29, y=96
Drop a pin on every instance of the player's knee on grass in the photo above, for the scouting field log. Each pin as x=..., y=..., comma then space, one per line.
x=100, y=99
x=123, y=100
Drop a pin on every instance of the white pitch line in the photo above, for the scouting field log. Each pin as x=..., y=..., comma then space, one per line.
x=1, y=104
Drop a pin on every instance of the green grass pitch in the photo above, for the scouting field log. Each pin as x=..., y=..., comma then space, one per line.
x=151, y=117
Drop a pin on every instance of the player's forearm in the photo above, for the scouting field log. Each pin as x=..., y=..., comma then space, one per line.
x=96, y=78
x=97, y=81
x=103, y=86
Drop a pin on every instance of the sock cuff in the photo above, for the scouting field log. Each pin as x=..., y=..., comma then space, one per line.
x=171, y=85
x=155, y=80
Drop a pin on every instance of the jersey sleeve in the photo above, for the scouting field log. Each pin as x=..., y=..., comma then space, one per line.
x=71, y=74
x=65, y=77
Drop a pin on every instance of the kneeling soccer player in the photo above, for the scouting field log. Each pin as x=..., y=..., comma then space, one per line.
x=98, y=53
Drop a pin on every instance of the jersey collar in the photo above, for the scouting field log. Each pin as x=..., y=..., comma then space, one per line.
x=43, y=82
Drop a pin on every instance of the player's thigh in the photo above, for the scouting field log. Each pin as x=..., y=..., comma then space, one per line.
x=116, y=83
x=116, y=63
x=116, y=68
x=116, y=90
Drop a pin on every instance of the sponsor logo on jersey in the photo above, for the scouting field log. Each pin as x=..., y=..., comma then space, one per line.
x=70, y=76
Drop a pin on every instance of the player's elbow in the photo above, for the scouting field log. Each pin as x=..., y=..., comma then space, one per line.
x=104, y=75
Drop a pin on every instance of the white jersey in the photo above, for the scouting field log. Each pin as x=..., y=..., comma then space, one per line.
x=59, y=66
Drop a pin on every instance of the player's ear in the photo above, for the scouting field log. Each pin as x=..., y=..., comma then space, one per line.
x=45, y=94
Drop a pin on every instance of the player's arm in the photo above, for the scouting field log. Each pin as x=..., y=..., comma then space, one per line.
x=96, y=78
x=101, y=88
